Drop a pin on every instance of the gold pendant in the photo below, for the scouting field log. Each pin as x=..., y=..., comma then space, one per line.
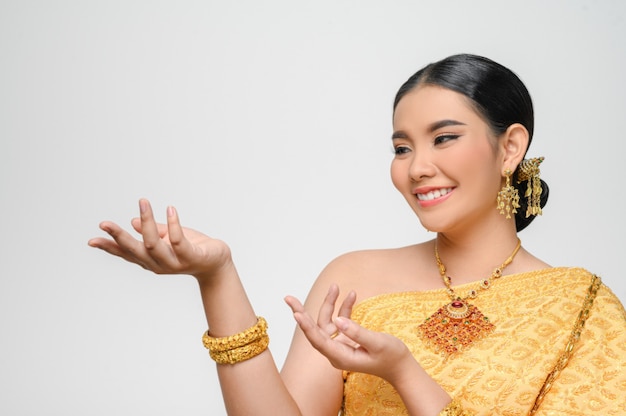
x=454, y=327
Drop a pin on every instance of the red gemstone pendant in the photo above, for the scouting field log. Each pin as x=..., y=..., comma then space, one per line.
x=457, y=309
x=454, y=327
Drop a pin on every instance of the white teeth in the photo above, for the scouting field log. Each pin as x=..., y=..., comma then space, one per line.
x=437, y=193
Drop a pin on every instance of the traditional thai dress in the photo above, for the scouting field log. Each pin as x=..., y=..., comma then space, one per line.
x=516, y=366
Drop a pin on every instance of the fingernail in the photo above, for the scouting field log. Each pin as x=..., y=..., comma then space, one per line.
x=170, y=211
x=142, y=206
x=341, y=323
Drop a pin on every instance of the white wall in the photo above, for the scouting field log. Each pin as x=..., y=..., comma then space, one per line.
x=267, y=124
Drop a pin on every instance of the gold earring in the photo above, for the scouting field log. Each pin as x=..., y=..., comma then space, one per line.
x=508, y=197
x=529, y=171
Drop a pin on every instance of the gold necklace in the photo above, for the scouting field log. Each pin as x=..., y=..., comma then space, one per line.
x=458, y=324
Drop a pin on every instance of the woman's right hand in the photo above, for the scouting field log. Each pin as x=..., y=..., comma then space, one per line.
x=351, y=347
x=166, y=248
x=355, y=348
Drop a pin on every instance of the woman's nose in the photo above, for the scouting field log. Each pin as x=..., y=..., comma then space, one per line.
x=422, y=166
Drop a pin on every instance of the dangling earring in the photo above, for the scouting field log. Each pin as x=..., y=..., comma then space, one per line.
x=508, y=197
x=529, y=171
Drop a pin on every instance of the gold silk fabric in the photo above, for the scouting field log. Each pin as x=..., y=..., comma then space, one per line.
x=502, y=374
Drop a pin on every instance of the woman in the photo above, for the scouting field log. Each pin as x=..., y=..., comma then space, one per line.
x=467, y=323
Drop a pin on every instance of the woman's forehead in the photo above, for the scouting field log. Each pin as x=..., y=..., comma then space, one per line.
x=429, y=104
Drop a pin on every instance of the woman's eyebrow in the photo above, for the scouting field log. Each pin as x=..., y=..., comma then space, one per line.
x=444, y=123
x=432, y=128
x=399, y=135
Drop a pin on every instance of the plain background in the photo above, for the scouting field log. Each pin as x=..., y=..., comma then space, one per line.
x=267, y=124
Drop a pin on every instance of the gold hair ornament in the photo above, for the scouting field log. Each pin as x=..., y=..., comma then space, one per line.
x=239, y=347
x=528, y=170
x=508, y=197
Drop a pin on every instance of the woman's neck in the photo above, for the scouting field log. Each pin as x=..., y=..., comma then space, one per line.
x=469, y=258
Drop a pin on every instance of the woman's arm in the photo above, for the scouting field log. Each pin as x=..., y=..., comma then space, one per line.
x=249, y=387
x=383, y=355
x=358, y=349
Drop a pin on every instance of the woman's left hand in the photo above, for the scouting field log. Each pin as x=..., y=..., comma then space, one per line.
x=347, y=345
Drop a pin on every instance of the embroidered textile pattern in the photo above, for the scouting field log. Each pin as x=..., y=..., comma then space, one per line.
x=503, y=374
x=458, y=324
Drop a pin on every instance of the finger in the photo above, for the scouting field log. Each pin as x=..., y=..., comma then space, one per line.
x=364, y=337
x=154, y=245
x=338, y=351
x=325, y=314
x=303, y=319
x=346, y=306
x=181, y=246
x=123, y=244
x=112, y=248
x=319, y=339
x=136, y=224
x=294, y=304
x=106, y=245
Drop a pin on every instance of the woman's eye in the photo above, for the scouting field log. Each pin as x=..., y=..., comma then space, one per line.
x=400, y=150
x=445, y=138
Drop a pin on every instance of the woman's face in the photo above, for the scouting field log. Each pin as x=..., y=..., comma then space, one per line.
x=445, y=163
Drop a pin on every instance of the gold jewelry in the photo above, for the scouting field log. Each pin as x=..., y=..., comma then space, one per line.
x=571, y=343
x=242, y=353
x=458, y=324
x=238, y=347
x=334, y=335
x=454, y=408
x=528, y=170
x=508, y=197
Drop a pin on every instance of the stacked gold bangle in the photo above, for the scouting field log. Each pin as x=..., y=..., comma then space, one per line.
x=239, y=347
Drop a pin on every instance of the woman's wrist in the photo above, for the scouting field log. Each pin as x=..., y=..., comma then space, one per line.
x=406, y=372
x=226, y=304
x=420, y=393
x=217, y=274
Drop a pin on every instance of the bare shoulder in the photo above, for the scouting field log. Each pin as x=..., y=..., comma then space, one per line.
x=372, y=272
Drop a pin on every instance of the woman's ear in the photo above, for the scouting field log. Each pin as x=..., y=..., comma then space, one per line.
x=513, y=145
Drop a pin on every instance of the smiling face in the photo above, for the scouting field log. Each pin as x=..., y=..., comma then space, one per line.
x=446, y=163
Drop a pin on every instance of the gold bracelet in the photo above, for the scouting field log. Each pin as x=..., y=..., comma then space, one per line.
x=239, y=347
x=454, y=408
x=235, y=341
x=243, y=353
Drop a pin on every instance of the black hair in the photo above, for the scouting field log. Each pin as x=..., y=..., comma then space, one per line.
x=495, y=92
